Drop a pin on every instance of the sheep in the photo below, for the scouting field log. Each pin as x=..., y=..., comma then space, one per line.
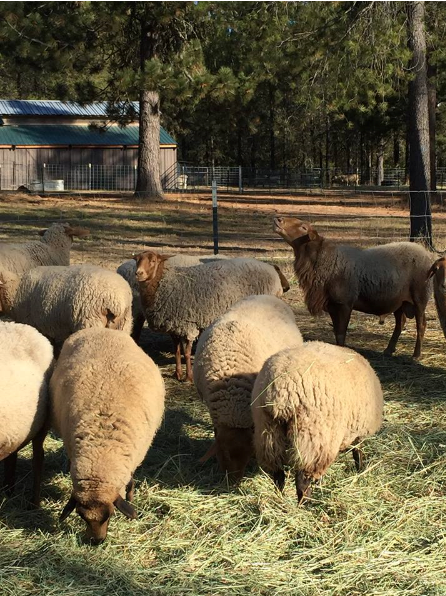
x=128, y=270
x=308, y=404
x=229, y=355
x=184, y=301
x=438, y=272
x=26, y=360
x=107, y=402
x=59, y=300
x=338, y=278
x=52, y=249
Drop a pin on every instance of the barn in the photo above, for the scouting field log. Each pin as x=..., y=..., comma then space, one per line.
x=55, y=145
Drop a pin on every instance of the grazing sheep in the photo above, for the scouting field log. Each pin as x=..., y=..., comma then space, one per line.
x=184, y=301
x=308, y=404
x=438, y=272
x=25, y=362
x=338, y=278
x=229, y=355
x=52, y=249
x=128, y=271
x=59, y=301
x=107, y=402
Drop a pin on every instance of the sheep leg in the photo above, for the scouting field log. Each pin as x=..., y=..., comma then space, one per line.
x=340, y=315
x=130, y=490
x=400, y=320
x=420, y=319
x=358, y=456
x=303, y=488
x=187, y=357
x=38, y=457
x=178, y=369
x=10, y=464
x=138, y=324
x=279, y=479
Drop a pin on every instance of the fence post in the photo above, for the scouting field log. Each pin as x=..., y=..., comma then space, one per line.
x=215, y=216
x=89, y=176
x=43, y=178
x=0, y=177
x=240, y=180
x=135, y=175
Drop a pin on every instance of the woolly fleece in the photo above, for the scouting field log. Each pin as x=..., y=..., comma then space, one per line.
x=107, y=402
x=188, y=300
x=231, y=352
x=53, y=248
x=59, y=301
x=311, y=402
x=26, y=357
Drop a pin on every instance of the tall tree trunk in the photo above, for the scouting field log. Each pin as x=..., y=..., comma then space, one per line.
x=272, y=138
x=148, y=183
x=406, y=157
x=380, y=163
x=327, y=152
x=419, y=162
x=432, y=98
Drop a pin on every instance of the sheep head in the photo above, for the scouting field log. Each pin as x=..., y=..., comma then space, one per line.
x=96, y=515
x=438, y=270
x=291, y=229
x=149, y=265
x=234, y=449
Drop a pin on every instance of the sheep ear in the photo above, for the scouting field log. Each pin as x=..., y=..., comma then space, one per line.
x=312, y=234
x=76, y=231
x=164, y=257
x=433, y=270
x=125, y=508
x=69, y=508
x=41, y=232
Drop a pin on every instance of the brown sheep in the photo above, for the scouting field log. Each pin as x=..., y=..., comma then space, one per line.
x=338, y=278
x=438, y=272
x=184, y=301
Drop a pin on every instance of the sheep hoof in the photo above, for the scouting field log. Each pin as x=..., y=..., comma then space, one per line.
x=358, y=456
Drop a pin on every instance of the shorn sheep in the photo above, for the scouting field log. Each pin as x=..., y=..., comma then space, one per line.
x=128, y=271
x=184, y=301
x=107, y=402
x=59, y=301
x=310, y=403
x=52, y=249
x=25, y=364
x=229, y=355
x=338, y=278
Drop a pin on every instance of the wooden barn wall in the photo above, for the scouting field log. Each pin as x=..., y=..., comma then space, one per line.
x=22, y=165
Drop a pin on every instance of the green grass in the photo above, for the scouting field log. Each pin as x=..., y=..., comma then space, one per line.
x=378, y=533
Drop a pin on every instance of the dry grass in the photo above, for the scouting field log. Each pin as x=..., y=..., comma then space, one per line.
x=380, y=533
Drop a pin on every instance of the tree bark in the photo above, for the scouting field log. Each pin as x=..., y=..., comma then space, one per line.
x=419, y=154
x=380, y=162
x=148, y=183
x=272, y=138
x=432, y=99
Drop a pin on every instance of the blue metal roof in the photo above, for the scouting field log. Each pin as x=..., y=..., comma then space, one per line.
x=40, y=107
x=64, y=134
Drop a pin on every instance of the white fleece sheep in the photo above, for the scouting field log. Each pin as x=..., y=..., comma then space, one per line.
x=128, y=271
x=229, y=355
x=25, y=362
x=52, y=249
x=310, y=403
x=107, y=402
x=184, y=301
x=59, y=301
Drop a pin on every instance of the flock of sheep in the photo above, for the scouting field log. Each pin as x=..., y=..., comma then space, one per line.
x=70, y=358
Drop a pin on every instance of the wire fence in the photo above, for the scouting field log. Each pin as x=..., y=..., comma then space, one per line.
x=182, y=177
x=185, y=224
